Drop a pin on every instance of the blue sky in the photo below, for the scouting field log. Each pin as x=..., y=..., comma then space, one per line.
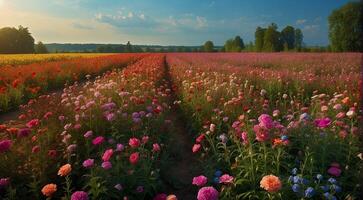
x=165, y=22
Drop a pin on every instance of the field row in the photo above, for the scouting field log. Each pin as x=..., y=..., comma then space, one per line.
x=256, y=132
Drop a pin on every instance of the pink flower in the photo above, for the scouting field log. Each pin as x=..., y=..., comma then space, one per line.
x=200, y=138
x=79, y=195
x=196, y=148
x=144, y=139
x=134, y=158
x=98, y=140
x=156, y=147
x=88, y=134
x=226, y=178
x=36, y=149
x=134, y=142
x=323, y=122
x=334, y=170
x=106, y=165
x=244, y=137
x=200, y=180
x=32, y=123
x=107, y=155
x=119, y=147
x=5, y=145
x=261, y=133
x=24, y=132
x=266, y=121
x=88, y=163
x=207, y=193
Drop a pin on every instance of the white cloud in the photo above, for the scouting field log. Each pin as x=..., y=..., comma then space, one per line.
x=300, y=21
x=311, y=28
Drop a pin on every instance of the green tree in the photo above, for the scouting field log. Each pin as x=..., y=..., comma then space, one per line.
x=208, y=46
x=259, y=38
x=271, y=40
x=298, y=39
x=40, y=48
x=288, y=37
x=238, y=43
x=128, y=48
x=346, y=27
x=14, y=40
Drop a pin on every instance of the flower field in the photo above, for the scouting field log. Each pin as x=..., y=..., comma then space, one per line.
x=23, y=82
x=254, y=126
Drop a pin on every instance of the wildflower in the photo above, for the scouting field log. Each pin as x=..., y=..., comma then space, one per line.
x=212, y=127
x=350, y=113
x=118, y=187
x=296, y=187
x=332, y=181
x=88, y=163
x=119, y=147
x=329, y=196
x=4, y=182
x=226, y=178
x=319, y=177
x=294, y=171
x=49, y=189
x=134, y=142
x=36, y=149
x=145, y=139
x=79, y=195
x=71, y=148
x=266, y=121
x=261, y=133
x=107, y=155
x=5, y=145
x=156, y=147
x=134, y=158
x=24, y=132
x=322, y=123
x=52, y=153
x=88, y=134
x=140, y=189
x=334, y=170
x=32, y=123
x=309, y=192
x=98, y=140
x=218, y=173
x=196, y=148
x=200, y=138
x=200, y=180
x=65, y=170
x=207, y=193
x=223, y=138
x=106, y=165
x=271, y=183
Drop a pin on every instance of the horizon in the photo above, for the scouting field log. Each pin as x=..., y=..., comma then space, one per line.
x=164, y=24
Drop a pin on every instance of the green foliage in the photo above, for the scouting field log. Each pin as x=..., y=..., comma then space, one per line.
x=259, y=36
x=298, y=39
x=14, y=40
x=234, y=45
x=40, y=48
x=208, y=46
x=346, y=27
x=288, y=37
x=272, y=39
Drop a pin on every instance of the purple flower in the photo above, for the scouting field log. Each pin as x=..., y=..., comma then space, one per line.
x=106, y=165
x=323, y=122
x=119, y=147
x=88, y=134
x=108, y=106
x=140, y=189
x=207, y=193
x=88, y=163
x=4, y=182
x=5, y=145
x=24, y=132
x=79, y=195
x=110, y=116
x=118, y=187
x=135, y=115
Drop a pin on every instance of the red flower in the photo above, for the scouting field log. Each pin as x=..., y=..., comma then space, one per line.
x=134, y=158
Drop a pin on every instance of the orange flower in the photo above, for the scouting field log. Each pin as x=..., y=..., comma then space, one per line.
x=345, y=100
x=271, y=183
x=65, y=170
x=49, y=189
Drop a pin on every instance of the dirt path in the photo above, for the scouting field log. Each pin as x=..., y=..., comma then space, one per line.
x=184, y=165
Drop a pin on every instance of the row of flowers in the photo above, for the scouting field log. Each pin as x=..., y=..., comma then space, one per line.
x=21, y=83
x=104, y=139
x=270, y=139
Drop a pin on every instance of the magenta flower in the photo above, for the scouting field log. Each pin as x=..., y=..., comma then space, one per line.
x=266, y=121
x=24, y=132
x=226, y=178
x=207, y=193
x=261, y=133
x=4, y=182
x=88, y=163
x=98, y=140
x=5, y=145
x=323, y=122
x=106, y=165
x=160, y=197
x=134, y=142
x=334, y=170
x=79, y=195
x=200, y=180
x=107, y=155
